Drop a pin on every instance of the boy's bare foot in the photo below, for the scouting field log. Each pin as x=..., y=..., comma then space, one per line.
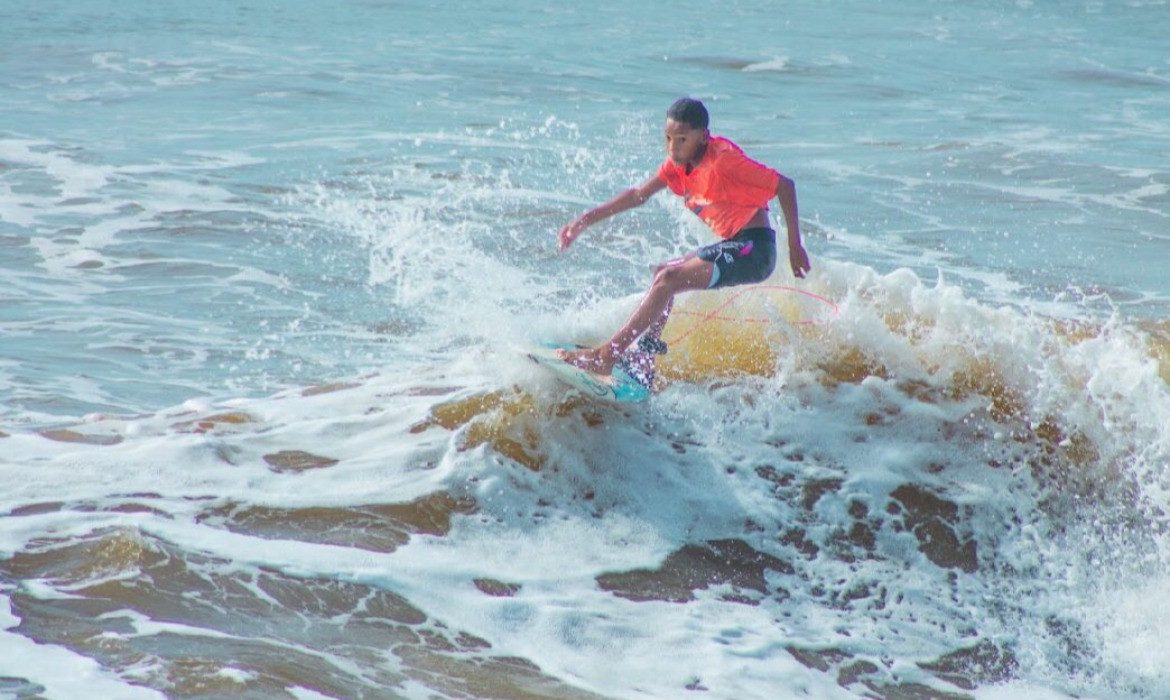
x=597, y=360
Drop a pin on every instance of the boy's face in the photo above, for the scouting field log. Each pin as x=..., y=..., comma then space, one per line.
x=684, y=143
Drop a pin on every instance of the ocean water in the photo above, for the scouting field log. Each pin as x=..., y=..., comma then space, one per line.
x=266, y=430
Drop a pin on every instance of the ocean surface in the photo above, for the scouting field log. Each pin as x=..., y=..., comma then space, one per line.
x=266, y=428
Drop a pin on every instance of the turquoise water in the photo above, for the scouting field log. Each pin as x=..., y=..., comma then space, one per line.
x=207, y=209
x=1013, y=149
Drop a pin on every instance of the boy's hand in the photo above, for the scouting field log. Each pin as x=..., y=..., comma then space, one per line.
x=798, y=259
x=569, y=234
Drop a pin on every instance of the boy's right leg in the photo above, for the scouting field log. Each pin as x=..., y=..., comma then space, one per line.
x=652, y=338
x=685, y=274
x=639, y=360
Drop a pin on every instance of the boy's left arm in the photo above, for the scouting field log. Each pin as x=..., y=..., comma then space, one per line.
x=797, y=256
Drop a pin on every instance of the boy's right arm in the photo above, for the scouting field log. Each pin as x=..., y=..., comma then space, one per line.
x=627, y=199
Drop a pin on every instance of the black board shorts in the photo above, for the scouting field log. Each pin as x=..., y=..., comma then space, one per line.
x=746, y=258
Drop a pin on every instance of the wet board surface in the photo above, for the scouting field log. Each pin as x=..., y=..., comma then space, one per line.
x=619, y=386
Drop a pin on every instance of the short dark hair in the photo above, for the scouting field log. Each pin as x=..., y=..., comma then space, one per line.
x=689, y=111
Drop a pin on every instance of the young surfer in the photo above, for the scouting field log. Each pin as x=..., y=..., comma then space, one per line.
x=730, y=193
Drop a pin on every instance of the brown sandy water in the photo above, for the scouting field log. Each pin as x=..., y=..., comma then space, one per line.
x=894, y=554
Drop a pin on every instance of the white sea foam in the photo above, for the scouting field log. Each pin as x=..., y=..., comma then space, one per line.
x=775, y=64
x=75, y=179
x=540, y=532
x=60, y=673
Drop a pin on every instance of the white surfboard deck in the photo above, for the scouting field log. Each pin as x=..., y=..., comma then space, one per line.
x=618, y=387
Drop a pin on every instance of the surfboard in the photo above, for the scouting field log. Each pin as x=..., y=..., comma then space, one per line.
x=619, y=386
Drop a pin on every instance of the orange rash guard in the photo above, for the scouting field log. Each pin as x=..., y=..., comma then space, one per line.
x=725, y=189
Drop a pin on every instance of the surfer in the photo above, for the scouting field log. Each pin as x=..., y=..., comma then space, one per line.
x=727, y=190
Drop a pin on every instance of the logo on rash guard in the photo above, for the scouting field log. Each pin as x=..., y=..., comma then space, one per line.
x=742, y=250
